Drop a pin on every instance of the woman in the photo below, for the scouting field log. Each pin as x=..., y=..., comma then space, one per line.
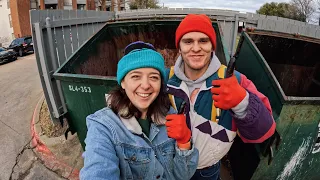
x=132, y=138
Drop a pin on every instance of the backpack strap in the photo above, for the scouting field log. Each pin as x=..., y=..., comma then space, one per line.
x=171, y=73
x=216, y=112
x=222, y=71
x=171, y=97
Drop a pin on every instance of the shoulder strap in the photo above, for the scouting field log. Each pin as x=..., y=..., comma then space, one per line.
x=171, y=73
x=171, y=97
x=222, y=71
x=216, y=112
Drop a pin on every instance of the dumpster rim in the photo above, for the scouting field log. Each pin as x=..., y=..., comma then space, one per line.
x=293, y=36
x=69, y=77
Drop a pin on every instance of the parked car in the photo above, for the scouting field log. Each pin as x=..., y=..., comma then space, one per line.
x=7, y=55
x=22, y=45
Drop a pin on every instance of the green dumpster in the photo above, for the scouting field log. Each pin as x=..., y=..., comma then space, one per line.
x=89, y=74
x=286, y=68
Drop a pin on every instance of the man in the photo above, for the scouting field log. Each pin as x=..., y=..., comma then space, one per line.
x=217, y=108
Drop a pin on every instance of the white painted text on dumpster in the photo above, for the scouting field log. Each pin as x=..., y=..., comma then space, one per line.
x=83, y=89
x=316, y=147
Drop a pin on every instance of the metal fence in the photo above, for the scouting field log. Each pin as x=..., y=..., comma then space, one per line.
x=229, y=21
x=56, y=35
x=59, y=33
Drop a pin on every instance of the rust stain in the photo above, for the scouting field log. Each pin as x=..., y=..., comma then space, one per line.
x=292, y=116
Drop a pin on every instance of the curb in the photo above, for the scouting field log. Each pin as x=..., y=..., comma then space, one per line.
x=44, y=153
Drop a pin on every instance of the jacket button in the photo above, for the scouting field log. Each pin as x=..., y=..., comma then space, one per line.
x=158, y=176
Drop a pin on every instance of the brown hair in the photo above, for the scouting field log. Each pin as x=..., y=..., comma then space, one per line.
x=120, y=104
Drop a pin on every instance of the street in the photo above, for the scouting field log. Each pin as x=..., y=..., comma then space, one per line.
x=20, y=91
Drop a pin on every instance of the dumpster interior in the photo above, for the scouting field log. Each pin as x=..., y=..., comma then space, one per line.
x=294, y=62
x=101, y=55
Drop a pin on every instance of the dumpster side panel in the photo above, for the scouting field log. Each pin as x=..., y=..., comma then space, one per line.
x=298, y=126
x=297, y=123
x=252, y=64
x=83, y=99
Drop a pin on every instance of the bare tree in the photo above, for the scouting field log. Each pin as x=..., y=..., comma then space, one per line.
x=306, y=8
x=144, y=4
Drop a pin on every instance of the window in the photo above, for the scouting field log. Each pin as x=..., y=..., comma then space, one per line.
x=51, y=6
x=13, y=43
x=10, y=20
x=28, y=40
x=20, y=41
x=81, y=6
x=8, y=4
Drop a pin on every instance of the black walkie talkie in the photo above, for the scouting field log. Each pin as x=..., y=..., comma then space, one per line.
x=231, y=67
x=182, y=107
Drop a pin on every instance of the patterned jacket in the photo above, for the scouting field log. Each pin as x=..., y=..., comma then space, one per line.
x=212, y=132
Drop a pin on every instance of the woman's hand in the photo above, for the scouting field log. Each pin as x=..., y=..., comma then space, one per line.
x=177, y=129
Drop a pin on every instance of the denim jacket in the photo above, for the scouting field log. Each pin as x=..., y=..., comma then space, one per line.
x=116, y=148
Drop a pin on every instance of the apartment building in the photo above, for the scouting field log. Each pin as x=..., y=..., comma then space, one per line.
x=15, y=18
x=6, y=30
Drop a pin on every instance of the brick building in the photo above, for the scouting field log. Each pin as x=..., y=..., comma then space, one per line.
x=17, y=19
x=6, y=30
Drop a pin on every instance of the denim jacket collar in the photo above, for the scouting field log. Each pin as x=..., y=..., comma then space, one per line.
x=154, y=130
x=132, y=125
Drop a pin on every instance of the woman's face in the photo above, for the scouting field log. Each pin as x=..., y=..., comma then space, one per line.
x=142, y=86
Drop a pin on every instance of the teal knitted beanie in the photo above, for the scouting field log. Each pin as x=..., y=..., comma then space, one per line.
x=140, y=58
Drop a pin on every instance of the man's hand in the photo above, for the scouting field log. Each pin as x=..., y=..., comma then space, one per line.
x=227, y=93
x=177, y=128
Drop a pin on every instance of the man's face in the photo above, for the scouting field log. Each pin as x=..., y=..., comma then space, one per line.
x=195, y=49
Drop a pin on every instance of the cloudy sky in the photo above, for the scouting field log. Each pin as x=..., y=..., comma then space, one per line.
x=239, y=5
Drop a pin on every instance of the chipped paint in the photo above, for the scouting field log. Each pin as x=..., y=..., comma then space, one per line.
x=316, y=147
x=310, y=162
x=296, y=160
x=297, y=130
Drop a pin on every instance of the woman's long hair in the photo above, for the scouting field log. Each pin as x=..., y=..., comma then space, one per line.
x=120, y=104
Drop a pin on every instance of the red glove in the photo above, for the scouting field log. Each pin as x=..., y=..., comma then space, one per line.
x=227, y=93
x=177, y=128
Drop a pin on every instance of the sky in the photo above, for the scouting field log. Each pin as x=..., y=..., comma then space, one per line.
x=239, y=5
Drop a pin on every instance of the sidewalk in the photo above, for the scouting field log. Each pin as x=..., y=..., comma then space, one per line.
x=58, y=154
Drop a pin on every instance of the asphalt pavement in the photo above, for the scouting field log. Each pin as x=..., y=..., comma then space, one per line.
x=20, y=91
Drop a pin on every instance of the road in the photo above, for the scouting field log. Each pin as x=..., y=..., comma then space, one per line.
x=20, y=91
